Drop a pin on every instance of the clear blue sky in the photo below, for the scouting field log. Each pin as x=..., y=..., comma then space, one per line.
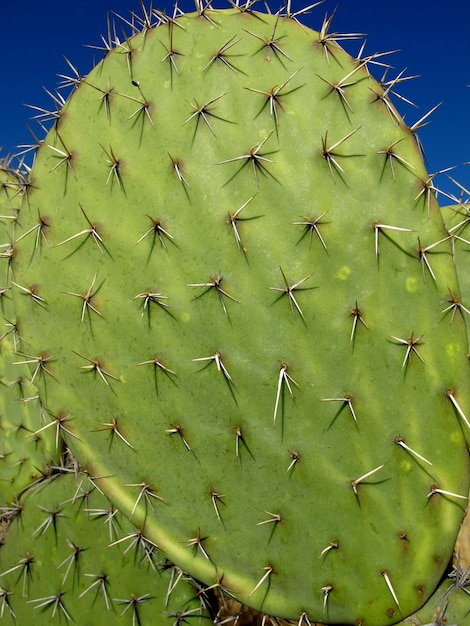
x=433, y=38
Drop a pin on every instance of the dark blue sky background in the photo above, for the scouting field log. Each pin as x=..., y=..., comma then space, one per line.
x=433, y=38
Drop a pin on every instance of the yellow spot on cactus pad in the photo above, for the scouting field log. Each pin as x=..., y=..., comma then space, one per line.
x=452, y=349
x=456, y=436
x=343, y=273
x=405, y=466
x=185, y=317
x=411, y=284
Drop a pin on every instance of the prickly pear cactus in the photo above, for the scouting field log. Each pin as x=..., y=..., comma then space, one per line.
x=27, y=443
x=236, y=296
x=457, y=220
x=450, y=603
x=71, y=557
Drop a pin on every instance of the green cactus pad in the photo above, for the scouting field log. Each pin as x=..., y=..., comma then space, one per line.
x=457, y=220
x=237, y=309
x=450, y=603
x=27, y=443
x=71, y=557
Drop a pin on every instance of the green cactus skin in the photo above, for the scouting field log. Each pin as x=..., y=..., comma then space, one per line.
x=457, y=218
x=70, y=557
x=239, y=299
x=27, y=444
x=450, y=603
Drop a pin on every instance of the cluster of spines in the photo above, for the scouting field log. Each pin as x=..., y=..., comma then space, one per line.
x=44, y=518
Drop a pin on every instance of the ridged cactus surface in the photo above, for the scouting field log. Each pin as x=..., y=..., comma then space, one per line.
x=236, y=297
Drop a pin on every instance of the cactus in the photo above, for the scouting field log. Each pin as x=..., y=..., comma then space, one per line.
x=450, y=603
x=28, y=444
x=70, y=557
x=238, y=302
x=457, y=219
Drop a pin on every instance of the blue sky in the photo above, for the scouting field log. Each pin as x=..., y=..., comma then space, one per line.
x=433, y=38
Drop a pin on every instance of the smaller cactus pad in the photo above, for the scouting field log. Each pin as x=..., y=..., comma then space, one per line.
x=71, y=558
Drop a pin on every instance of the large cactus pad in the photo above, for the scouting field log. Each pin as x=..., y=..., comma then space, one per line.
x=238, y=300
